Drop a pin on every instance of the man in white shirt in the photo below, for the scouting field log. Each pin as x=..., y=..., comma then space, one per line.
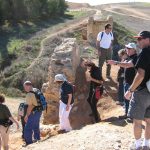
x=104, y=43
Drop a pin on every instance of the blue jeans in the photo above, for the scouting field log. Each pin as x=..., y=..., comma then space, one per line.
x=32, y=127
x=126, y=87
x=121, y=91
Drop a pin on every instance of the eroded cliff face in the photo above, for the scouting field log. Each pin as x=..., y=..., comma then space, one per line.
x=66, y=60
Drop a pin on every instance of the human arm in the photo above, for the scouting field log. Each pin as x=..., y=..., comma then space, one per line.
x=14, y=121
x=121, y=64
x=29, y=110
x=69, y=102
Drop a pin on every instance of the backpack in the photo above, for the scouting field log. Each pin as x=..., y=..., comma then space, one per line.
x=42, y=104
x=22, y=110
x=103, y=34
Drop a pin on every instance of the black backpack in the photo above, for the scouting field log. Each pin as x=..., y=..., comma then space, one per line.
x=42, y=104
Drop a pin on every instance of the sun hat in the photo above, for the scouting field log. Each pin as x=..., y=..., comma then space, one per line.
x=60, y=77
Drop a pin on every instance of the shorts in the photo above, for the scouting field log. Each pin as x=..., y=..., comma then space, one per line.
x=140, y=105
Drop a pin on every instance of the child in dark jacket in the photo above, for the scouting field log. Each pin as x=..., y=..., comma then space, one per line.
x=120, y=77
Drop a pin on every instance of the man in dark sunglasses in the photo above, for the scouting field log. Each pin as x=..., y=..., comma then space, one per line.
x=139, y=108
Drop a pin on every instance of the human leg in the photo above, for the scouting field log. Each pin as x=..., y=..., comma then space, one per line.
x=4, y=131
x=28, y=130
x=108, y=57
x=102, y=58
x=36, y=127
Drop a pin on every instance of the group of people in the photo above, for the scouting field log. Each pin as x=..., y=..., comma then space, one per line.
x=133, y=75
x=133, y=78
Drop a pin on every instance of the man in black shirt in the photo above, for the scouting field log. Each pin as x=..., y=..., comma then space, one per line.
x=129, y=65
x=140, y=103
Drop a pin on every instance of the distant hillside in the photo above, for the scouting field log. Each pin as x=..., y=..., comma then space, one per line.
x=72, y=5
x=134, y=16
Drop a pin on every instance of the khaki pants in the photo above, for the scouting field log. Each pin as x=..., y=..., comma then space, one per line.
x=105, y=55
x=4, y=137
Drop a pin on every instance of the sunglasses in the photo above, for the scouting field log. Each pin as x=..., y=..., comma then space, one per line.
x=140, y=38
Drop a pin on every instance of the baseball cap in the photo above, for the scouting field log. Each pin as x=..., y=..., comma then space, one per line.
x=59, y=77
x=131, y=45
x=143, y=34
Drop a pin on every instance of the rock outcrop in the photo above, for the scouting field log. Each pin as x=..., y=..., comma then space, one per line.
x=66, y=60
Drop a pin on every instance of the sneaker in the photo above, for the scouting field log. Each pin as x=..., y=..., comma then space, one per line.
x=145, y=148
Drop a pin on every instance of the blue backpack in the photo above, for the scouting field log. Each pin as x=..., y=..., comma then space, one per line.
x=42, y=104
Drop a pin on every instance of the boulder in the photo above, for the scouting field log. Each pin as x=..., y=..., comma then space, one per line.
x=66, y=59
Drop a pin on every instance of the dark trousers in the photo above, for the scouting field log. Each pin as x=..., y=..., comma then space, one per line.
x=105, y=55
x=32, y=127
x=126, y=86
x=93, y=103
x=23, y=126
x=121, y=90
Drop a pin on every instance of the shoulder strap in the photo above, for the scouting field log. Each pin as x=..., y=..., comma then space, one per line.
x=102, y=35
x=111, y=33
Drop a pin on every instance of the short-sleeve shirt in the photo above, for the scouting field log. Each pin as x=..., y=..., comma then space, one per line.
x=31, y=99
x=106, y=39
x=66, y=88
x=143, y=62
x=4, y=112
x=130, y=72
x=96, y=74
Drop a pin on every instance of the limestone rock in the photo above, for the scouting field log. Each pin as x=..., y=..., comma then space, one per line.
x=66, y=59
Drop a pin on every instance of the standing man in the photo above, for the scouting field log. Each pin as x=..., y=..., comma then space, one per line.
x=104, y=46
x=32, y=117
x=129, y=71
x=139, y=108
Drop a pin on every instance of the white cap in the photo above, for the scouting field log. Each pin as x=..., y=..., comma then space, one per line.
x=27, y=82
x=60, y=77
x=131, y=45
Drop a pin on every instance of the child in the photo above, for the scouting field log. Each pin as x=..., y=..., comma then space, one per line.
x=120, y=77
x=22, y=110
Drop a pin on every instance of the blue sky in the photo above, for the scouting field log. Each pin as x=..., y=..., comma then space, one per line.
x=97, y=2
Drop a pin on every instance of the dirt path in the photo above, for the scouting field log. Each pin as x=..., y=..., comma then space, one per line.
x=57, y=32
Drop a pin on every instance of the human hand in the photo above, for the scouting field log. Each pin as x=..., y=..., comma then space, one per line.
x=26, y=118
x=17, y=124
x=128, y=95
x=111, y=62
x=67, y=107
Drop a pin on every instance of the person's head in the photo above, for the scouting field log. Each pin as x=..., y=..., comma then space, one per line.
x=2, y=98
x=108, y=28
x=122, y=54
x=90, y=65
x=143, y=39
x=27, y=86
x=60, y=78
x=131, y=49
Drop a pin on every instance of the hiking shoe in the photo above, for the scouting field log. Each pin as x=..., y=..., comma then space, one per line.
x=123, y=117
x=61, y=131
x=145, y=148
